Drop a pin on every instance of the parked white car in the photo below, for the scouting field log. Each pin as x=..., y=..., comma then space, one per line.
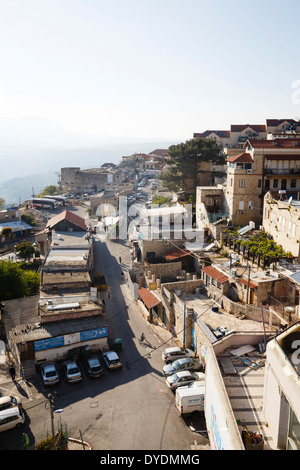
x=9, y=402
x=11, y=418
x=111, y=360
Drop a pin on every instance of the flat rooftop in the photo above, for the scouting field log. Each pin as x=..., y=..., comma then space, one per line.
x=202, y=307
x=243, y=378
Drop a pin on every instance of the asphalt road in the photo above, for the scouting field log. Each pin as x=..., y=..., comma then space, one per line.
x=129, y=409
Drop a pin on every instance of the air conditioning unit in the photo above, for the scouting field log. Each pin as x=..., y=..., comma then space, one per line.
x=249, y=172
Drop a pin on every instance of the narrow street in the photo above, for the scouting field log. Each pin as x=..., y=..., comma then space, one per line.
x=129, y=409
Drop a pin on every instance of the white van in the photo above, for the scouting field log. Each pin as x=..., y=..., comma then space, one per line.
x=190, y=400
x=9, y=402
x=11, y=418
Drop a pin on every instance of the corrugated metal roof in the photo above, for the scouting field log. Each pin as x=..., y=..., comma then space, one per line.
x=37, y=331
x=15, y=226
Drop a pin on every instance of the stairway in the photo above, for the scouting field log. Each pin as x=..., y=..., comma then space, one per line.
x=28, y=368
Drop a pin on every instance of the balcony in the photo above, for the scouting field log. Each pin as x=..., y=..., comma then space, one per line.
x=281, y=171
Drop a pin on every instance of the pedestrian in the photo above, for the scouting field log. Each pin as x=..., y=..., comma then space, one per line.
x=108, y=294
x=103, y=301
x=120, y=259
x=122, y=275
x=12, y=372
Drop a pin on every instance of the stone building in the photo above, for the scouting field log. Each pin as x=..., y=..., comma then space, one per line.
x=281, y=219
x=87, y=181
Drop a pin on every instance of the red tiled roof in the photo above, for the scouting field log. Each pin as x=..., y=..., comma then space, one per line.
x=207, y=133
x=242, y=158
x=276, y=122
x=73, y=218
x=251, y=283
x=242, y=127
x=176, y=253
x=215, y=274
x=276, y=143
x=149, y=299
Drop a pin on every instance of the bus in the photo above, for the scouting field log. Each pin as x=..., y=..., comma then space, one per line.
x=44, y=203
x=61, y=200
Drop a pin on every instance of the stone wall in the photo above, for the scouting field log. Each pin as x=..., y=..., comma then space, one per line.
x=163, y=270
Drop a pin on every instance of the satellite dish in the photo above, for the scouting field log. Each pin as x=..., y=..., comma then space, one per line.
x=290, y=200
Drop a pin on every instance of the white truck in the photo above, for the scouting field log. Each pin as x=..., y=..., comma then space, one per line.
x=190, y=400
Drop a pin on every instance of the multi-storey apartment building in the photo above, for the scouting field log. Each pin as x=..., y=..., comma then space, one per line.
x=264, y=165
x=236, y=137
x=282, y=128
x=281, y=219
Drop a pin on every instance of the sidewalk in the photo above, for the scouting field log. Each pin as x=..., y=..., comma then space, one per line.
x=164, y=335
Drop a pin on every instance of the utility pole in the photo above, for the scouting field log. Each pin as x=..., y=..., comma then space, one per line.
x=51, y=406
x=248, y=286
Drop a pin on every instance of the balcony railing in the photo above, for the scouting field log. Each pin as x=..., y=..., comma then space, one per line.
x=281, y=171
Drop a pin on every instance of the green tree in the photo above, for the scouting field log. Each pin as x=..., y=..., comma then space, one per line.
x=25, y=250
x=16, y=283
x=50, y=190
x=6, y=232
x=161, y=200
x=12, y=285
x=28, y=219
x=185, y=159
x=31, y=282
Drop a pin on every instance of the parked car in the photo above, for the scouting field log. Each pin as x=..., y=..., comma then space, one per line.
x=94, y=367
x=72, y=371
x=182, y=378
x=172, y=354
x=49, y=374
x=12, y=417
x=9, y=402
x=186, y=363
x=111, y=360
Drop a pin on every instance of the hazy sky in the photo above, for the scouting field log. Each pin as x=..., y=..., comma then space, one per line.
x=149, y=68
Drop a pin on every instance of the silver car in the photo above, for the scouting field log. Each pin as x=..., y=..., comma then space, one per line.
x=182, y=378
x=172, y=354
x=73, y=373
x=94, y=367
x=49, y=374
x=186, y=363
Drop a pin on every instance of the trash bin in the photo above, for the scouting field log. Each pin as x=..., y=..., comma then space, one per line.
x=118, y=344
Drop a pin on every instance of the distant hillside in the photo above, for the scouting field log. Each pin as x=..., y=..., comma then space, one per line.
x=19, y=189
x=41, y=165
x=19, y=161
